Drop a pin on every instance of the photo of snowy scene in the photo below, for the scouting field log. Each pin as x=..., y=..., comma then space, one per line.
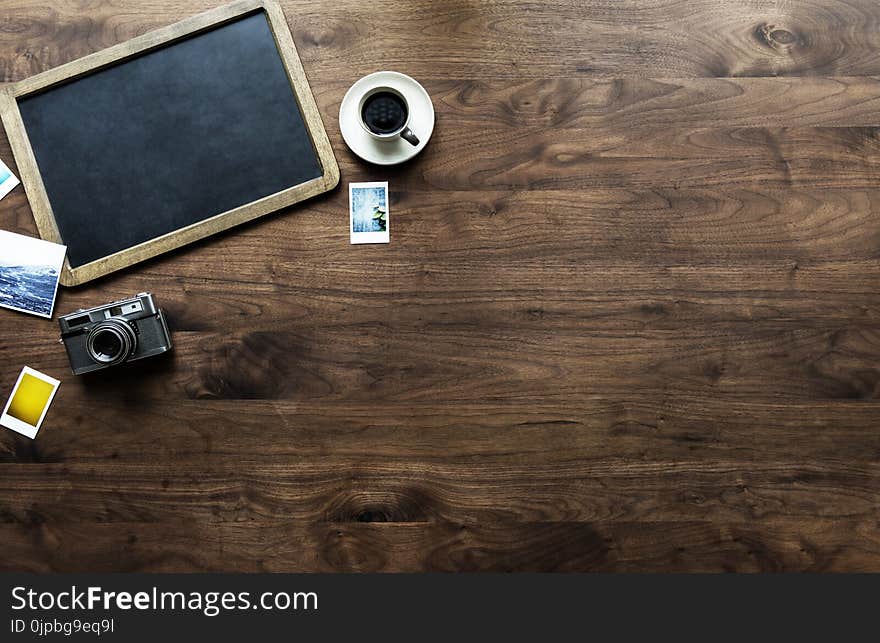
x=29, y=272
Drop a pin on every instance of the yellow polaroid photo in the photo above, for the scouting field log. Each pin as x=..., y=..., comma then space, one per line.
x=29, y=402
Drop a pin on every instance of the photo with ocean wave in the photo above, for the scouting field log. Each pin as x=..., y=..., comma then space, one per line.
x=29, y=273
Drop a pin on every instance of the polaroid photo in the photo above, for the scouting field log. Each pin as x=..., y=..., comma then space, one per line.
x=7, y=180
x=29, y=273
x=29, y=402
x=369, y=212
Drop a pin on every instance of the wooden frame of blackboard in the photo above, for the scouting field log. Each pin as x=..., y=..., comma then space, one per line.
x=33, y=182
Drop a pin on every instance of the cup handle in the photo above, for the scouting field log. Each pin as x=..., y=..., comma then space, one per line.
x=408, y=136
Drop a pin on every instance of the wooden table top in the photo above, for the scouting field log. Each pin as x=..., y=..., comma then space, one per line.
x=628, y=319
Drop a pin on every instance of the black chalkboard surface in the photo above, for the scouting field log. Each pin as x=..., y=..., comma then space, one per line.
x=169, y=137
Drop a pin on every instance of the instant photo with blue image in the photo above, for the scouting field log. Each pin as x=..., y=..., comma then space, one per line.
x=369, y=212
x=8, y=180
x=29, y=273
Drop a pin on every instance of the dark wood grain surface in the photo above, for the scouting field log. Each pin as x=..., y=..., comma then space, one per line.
x=628, y=320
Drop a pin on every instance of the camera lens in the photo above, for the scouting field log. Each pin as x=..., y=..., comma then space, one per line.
x=111, y=342
x=108, y=343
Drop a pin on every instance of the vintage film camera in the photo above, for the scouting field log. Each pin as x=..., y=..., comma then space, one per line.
x=124, y=331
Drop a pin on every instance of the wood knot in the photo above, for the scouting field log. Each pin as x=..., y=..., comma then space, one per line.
x=487, y=210
x=402, y=505
x=318, y=38
x=777, y=38
x=782, y=36
x=327, y=35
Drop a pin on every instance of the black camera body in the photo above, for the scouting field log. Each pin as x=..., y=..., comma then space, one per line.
x=124, y=331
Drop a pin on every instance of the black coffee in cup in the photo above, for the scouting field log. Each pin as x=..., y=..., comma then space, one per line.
x=384, y=113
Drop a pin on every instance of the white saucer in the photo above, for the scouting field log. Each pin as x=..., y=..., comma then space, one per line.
x=396, y=150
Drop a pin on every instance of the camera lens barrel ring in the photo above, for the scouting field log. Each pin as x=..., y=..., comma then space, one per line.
x=111, y=342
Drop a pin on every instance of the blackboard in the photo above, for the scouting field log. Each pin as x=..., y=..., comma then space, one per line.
x=161, y=146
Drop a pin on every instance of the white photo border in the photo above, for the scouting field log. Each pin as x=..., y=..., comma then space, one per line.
x=11, y=181
x=369, y=237
x=58, y=268
x=14, y=423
